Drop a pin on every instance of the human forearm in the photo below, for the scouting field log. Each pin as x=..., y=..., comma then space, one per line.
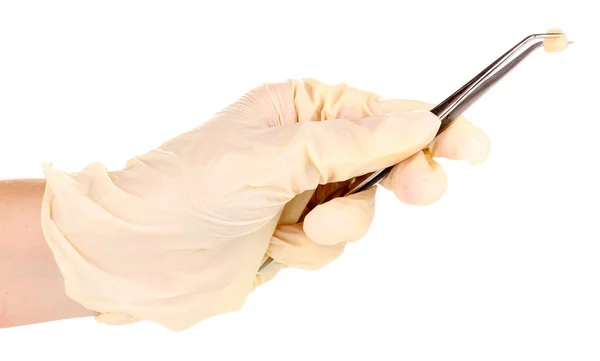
x=31, y=286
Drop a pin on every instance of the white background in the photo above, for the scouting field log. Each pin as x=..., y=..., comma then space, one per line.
x=505, y=267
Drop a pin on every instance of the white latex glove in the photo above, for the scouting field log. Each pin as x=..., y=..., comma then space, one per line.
x=178, y=235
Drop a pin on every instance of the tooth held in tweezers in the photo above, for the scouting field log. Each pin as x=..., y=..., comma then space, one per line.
x=559, y=43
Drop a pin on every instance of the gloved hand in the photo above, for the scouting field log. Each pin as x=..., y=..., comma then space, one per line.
x=177, y=236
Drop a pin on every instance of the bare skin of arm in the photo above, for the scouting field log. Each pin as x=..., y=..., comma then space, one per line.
x=31, y=285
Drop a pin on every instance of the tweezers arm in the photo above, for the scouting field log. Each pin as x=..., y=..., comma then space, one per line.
x=480, y=90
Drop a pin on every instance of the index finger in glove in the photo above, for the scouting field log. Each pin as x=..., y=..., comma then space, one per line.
x=316, y=101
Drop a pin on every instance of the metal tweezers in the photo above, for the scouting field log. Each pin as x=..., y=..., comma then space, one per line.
x=448, y=111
